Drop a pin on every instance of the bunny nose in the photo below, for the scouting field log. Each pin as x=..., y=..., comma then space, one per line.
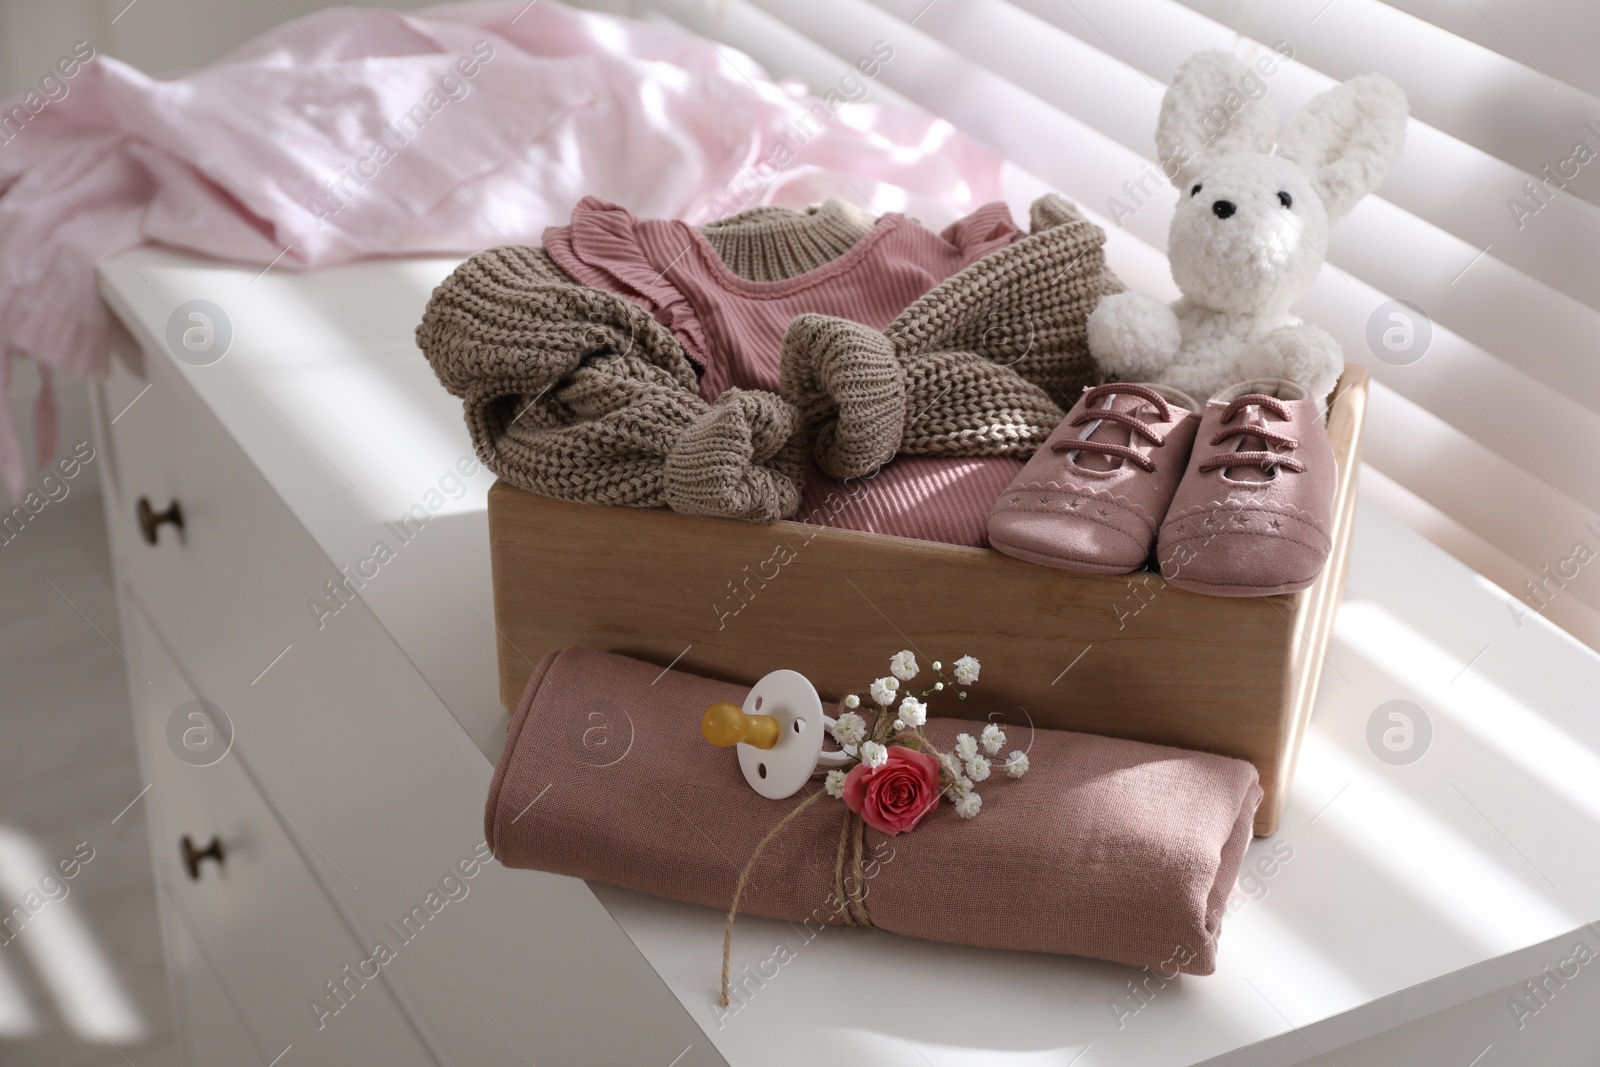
x=1223, y=208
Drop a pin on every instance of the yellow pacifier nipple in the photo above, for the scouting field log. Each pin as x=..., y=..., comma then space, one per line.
x=725, y=725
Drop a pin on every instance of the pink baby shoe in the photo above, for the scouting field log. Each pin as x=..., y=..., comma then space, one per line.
x=1253, y=514
x=1091, y=499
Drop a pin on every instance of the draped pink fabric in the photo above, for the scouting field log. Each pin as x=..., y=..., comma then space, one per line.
x=356, y=133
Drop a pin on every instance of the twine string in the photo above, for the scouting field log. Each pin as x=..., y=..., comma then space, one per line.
x=744, y=877
x=838, y=866
x=858, y=896
x=852, y=835
x=852, y=900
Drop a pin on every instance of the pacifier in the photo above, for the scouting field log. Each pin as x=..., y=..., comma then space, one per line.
x=778, y=733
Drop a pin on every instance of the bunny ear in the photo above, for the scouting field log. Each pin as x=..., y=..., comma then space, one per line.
x=1212, y=109
x=1347, y=139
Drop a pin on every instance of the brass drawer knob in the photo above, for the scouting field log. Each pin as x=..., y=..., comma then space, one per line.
x=193, y=857
x=151, y=520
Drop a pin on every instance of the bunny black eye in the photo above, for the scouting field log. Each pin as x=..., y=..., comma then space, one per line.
x=1285, y=199
x=1196, y=189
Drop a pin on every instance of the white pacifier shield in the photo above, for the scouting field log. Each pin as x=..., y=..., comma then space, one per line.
x=781, y=771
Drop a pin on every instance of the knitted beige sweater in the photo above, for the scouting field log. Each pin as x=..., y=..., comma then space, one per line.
x=575, y=393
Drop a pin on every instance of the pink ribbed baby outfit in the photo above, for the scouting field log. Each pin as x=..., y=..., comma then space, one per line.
x=730, y=289
x=930, y=498
x=732, y=325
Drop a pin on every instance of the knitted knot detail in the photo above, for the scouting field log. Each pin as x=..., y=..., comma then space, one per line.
x=975, y=367
x=740, y=458
x=1025, y=306
x=847, y=382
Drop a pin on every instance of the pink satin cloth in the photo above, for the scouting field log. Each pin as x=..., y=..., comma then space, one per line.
x=357, y=133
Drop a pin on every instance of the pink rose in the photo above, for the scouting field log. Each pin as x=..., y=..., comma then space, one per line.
x=895, y=797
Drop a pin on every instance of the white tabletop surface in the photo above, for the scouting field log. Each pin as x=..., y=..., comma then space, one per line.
x=1407, y=889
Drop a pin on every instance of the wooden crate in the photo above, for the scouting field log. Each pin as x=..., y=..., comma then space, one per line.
x=1126, y=656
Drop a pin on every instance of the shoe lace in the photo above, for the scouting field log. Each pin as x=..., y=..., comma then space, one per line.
x=1264, y=458
x=1133, y=424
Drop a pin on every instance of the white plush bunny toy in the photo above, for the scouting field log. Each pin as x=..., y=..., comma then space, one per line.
x=1250, y=231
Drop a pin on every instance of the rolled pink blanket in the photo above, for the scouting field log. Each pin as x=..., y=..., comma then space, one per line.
x=1112, y=849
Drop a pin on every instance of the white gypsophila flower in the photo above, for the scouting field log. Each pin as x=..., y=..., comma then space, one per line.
x=883, y=691
x=963, y=784
x=849, y=728
x=992, y=738
x=913, y=711
x=966, y=669
x=978, y=768
x=938, y=666
x=903, y=665
x=834, y=784
x=937, y=686
x=873, y=754
x=851, y=701
x=966, y=747
x=968, y=805
x=950, y=764
x=898, y=724
x=1017, y=764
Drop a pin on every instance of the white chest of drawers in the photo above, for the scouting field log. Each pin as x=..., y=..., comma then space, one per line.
x=347, y=813
x=354, y=656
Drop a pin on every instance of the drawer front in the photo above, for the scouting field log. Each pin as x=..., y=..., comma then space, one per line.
x=234, y=554
x=210, y=1028
x=333, y=722
x=244, y=894
x=359, y=756
x=332, y=719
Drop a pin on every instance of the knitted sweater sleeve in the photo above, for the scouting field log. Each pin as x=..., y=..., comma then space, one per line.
x=575, y=393
x=984, y=364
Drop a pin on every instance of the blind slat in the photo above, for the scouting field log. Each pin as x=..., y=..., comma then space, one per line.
x=1532, y=328
x=1497, y=104
x=1454, y=473
x=1555, y=36
x=1572, y=614
x=1548, y=435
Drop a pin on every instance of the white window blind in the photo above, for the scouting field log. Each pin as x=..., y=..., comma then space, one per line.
x=1489, y=443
